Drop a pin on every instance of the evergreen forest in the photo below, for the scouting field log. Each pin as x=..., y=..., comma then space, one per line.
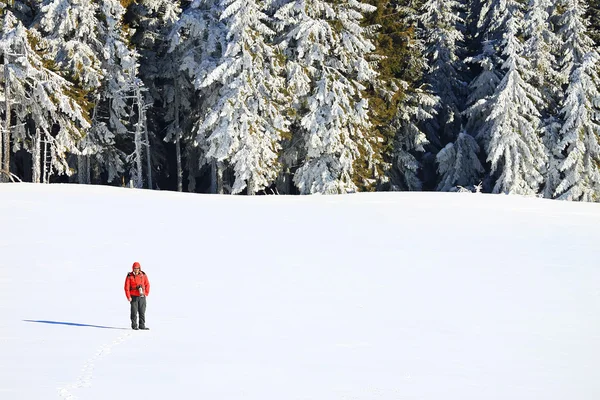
x=303, y=96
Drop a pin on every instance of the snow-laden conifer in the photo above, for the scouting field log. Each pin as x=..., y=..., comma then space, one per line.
x=579, y=110
x=458, y=163
x=40, y=101
x=72, y=31
x=245, y=116
x=540, y=47
x=195, y=43
x=327, y=71
x=418, y=106
x=510, y=134
x=442, y=33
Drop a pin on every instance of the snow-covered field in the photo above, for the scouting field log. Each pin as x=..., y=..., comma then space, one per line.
x=386, y=296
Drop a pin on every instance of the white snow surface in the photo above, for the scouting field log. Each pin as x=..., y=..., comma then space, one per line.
x=379, y=296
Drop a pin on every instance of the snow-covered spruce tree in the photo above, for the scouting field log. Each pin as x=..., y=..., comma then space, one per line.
x=418, y=105
x=442, y=32
x=400, y=104
x=48, y=119
x=87, y=40
x=196, y=42
x=74, y=40
x=72, y=36
x=245, y=118
x=488, y=25
x=511, y=135
x=593, y=16
x=415, y=115
x=579, y=109
x=458, y=163
x=327, y=72
x=541, y=45
x=482, y=87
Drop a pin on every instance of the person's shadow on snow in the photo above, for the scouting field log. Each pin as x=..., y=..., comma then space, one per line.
x=72, y=324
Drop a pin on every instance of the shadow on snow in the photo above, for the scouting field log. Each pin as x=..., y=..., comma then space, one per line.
x=71, y=324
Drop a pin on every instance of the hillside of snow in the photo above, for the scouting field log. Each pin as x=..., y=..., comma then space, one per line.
x=386, y=296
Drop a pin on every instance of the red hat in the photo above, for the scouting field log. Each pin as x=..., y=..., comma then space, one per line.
x=136, y=265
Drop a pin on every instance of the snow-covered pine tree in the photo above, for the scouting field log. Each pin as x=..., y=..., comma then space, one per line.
x=40, y=100
x=327, y=71
x=87, y=40
x=579, y=110
x=443, y=28
x=71, y=31
x=458, y=163
x=541, y=45
x=196, y=42
x=442, y=32
x=511, y=132
x=246, y=117
x=593, y=16
x=488, y=21
x=417, y=106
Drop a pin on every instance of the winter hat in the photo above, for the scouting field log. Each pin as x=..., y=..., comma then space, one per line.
x=136, y=265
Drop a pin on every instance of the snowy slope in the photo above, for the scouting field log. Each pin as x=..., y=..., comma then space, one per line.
x=385, y=296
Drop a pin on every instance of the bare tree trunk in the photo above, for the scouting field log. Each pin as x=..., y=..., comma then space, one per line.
x=35, y=157
x=5, y=152
x=83, y=169
x=283, y=182
x=138, y=179
x=216, y=182
x=179, y=169
x=250, y=187
x=44, y=163
x=178, y=147
x=147, y=139
x=88, y=169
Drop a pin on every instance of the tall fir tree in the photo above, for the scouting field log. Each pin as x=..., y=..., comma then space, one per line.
x=580, y=130
x=48, y=120
x=196, y=42
x=328, y=71
x=540, y=48
x=442, y=31
x=511, y=132
x=401, y=103
x=246, y=116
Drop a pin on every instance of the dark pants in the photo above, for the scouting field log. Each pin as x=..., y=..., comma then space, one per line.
x=138, y=306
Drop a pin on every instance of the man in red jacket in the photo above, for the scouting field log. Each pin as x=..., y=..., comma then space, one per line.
x=137, y=287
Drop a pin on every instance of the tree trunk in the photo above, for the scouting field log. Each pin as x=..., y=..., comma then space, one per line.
x=250, y=187
x=5, y=152
x=138, y=179
x=178, y=147
x=88, y=169
x=147, y=139
x=83, y=168
x=45, y=175
x=36, y=158
x=283, y=182
x=179, y=170
x=216, y=182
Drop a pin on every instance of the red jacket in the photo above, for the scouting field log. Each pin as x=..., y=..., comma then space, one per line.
x=133, y=281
